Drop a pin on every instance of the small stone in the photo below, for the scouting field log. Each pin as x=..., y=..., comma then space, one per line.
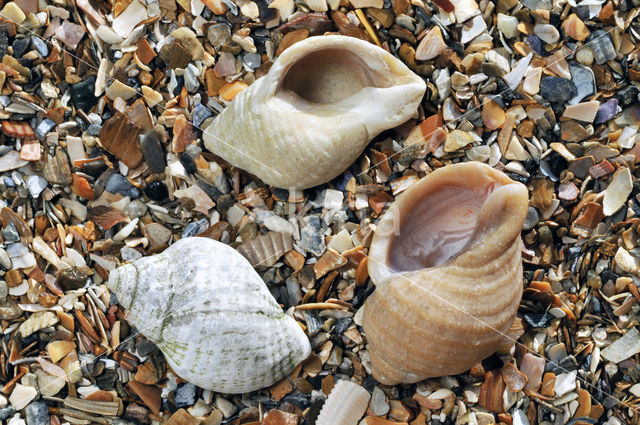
x=278, y=224
x=378, y=403
x=185, y=395
x=37, y=413
x=117, y=183
x=508, y=25
x=556, y=89
x=311, y=236
x=219, y=35
x=618, y=191
x=602, y=47
x=575, y=28
x=547, y=33
x=431, y=45
x=22, y=395
x=226, y=407
x=199, y=114
x=565, y=382
x=626, y=261
x=7, y=412
x=533, y=217
x=584, y=81
x=157, y=191
x=623, y=348
x=36, y=185
x=190, y=78
x=43, y=128
x=584, y=55
x=606, y=111
x=152, y=152
x=20, y=46
x=10, y=233
x=82, y=93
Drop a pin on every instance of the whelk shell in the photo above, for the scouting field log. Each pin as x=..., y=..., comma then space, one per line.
x=312, y=115
x=345, y=405
x=445, y=259
x=212, y=316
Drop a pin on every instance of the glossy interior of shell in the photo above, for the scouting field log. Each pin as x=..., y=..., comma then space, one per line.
x=327, y=76
x=446, y=263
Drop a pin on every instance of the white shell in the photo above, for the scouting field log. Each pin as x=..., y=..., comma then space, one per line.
x=312, y=115
x=345, y=405
x=211, y=315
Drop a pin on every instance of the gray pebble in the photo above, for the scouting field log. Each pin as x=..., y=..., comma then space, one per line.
x=44, y=127
x=603, y=50
x=185, y=395
x=152, y=152
x=252, y=60
x=36, y=185
x=312, y=236
x=379, y=403
x=40, y=46
x=117, y=183
x=533, y=217
x=37, y=413
x=219, y=35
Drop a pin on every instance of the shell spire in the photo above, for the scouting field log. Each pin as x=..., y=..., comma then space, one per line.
x=312, y=115
x=212, y=316
x=447, y=267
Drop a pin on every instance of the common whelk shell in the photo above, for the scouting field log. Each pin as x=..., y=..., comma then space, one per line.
x=446, y=262
x=315, y=111
x=212, y=316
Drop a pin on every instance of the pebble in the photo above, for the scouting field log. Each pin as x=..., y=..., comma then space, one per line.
x=533, y=217
x=82, y=93
x=40, y=46
x=565, y=382
x=618, y=191
x=585, y=82
x=22, y=395
x=556, y=89
x=185, y=395
x=606, y=111
x=547, y=33
x=508, y=25
x=603, y=50
x=16, y=420
x=10, y=233
x=278, y=224
x=431, y=45
x=219, y=35
x=43, y=128
x=252, y=60
x=157, y=191
x=117, y=183
x=311, y=236
x=378, y=403
x=36, y=185
x=37, y=413
x=199, y=114
x=20, y=46
x=623, y=348
x=226, y=407
x=152, y=152
x=585, y=56
x=7, y=412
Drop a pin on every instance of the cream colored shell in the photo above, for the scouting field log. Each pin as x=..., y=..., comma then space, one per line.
x=312, y=115
x=345, y=405
x=449, y=307
x=211, y=315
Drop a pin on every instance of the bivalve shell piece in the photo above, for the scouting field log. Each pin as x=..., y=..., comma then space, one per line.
x=211, y=315
x=445, y=259
x=345, y=405
x=312, y=115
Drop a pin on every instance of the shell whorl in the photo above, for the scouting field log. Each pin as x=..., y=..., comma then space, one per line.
x=345, y=405
x=325, y=138
x=443, y=318
x=211, y=315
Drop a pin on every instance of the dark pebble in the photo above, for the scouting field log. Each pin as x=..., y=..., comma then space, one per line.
x=556, y=89
x=43, y=128
x=37, y=413
x=187, y=163
x=145, y=347
x=342, y=325
x=107, y=379
x=7, y=412
x=195, y=228
x=71, y=279
x=606, y=111
x=118, y=184
x=20, y=46
x=10, y=233
x=152, y=152
x=314, y=324
x=82, y=93
x=157, y=191
x=299, y=399
x=608, y=275
x=603, y=50
x=94, y=130
x=4, y=43
x=200, y=113
x=537, y=320
x=185, y=395
x=95, y=168
x=225, y=202
x=266, y=13
x=212, y=191
x=537, y=45
x=627, y=96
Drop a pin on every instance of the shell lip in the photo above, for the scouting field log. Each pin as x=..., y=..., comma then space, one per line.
x=381, y=265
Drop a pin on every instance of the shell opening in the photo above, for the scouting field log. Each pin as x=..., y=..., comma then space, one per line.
x=438, y=227
x=327, y=76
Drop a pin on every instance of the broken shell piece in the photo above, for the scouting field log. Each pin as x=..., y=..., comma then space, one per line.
x=194, y=301
x=439, y=256
x=431, y=45
x=585, y=111
x=617, y=192
x=265, y=250
x=322, y=101
x=345, y=405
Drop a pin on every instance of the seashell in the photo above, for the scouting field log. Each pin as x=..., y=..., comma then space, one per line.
x=315, y=111
x=265, y=250
x=211, y=315
x=345, y=405
x=445, y=259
